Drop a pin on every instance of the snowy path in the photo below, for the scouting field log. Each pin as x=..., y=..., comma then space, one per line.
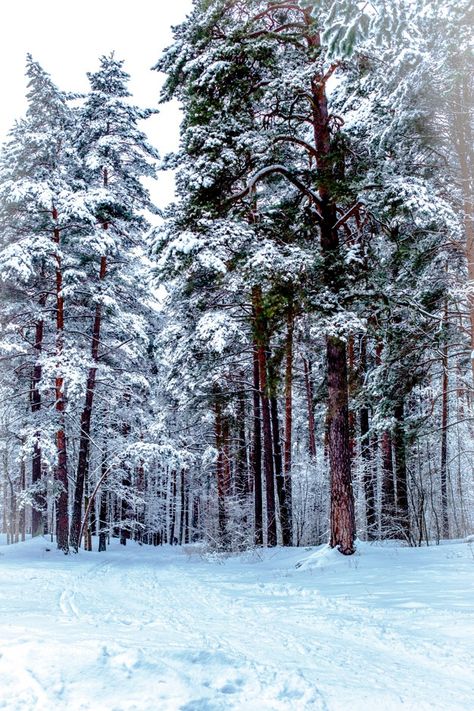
x=162, y=629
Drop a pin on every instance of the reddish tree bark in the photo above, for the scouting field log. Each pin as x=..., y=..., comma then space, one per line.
x=309, y=400
x=342, y=498
x=86, y=418
x=37, y=525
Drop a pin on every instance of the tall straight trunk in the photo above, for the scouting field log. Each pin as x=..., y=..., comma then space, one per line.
x=241, y=466
x=226, y=451
x=140, y=509
x=103, y=518
x=88, y=529
x=187, y=530
x=267, y=451
x=196, y=519
x=22, y=512
x=173, y=507
x=399, y=442
x=261, y=332
x=388, y=486
x=276, y=442
x=352, y=388
x=309, y=399
x=37, y=525
x=278, y=460
x=182, y=507
x=220, y=473
x=342, y=498
x=369, y=478
x=257, y=451
x=86, y=418
x=287, y=514
x=62, y=516
x=125, y=510
x=444, y=429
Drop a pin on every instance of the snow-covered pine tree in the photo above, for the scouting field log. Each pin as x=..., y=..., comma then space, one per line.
x=41, y=211
x=116, y=155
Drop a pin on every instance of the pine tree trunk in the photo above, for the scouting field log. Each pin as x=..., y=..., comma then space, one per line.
x=309, y=400
x=220, y=474
x=125, y=512
x=388, y=485
x=22, y=512
x=62, y=516
x=444, y=430
x=103, y=519
x=86, y=418
x=399, y=443
x=241, y=466
x=172, y=509
x=342, y=497
x=87, y=532
x=257, y=452
x=352, y=389
x=187, y=530
x=287, y=517
x=369, y=479
x=260, y=326
x=37, y=525
x=227, y=474
x=182, y=508
x=278, y=461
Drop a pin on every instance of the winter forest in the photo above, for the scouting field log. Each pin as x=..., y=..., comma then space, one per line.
x=281, y=359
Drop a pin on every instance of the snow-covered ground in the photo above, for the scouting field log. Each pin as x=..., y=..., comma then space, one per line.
x=163, y=629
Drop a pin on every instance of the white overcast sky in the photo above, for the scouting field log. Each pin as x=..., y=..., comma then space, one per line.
x=67, y=39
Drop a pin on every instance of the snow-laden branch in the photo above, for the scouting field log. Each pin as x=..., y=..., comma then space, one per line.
x=276, y=30
x=277, y=168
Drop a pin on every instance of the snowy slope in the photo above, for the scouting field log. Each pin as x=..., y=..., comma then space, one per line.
x=163, y=629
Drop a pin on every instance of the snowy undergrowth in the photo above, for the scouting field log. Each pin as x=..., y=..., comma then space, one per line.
x=163, y=629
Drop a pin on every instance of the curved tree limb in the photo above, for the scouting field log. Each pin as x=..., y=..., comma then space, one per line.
x=277, y=168
x=292, y=139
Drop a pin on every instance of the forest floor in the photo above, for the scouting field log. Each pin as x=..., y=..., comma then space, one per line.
x=159, y=629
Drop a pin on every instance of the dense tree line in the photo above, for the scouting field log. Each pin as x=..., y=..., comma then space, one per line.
x=287, y=358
